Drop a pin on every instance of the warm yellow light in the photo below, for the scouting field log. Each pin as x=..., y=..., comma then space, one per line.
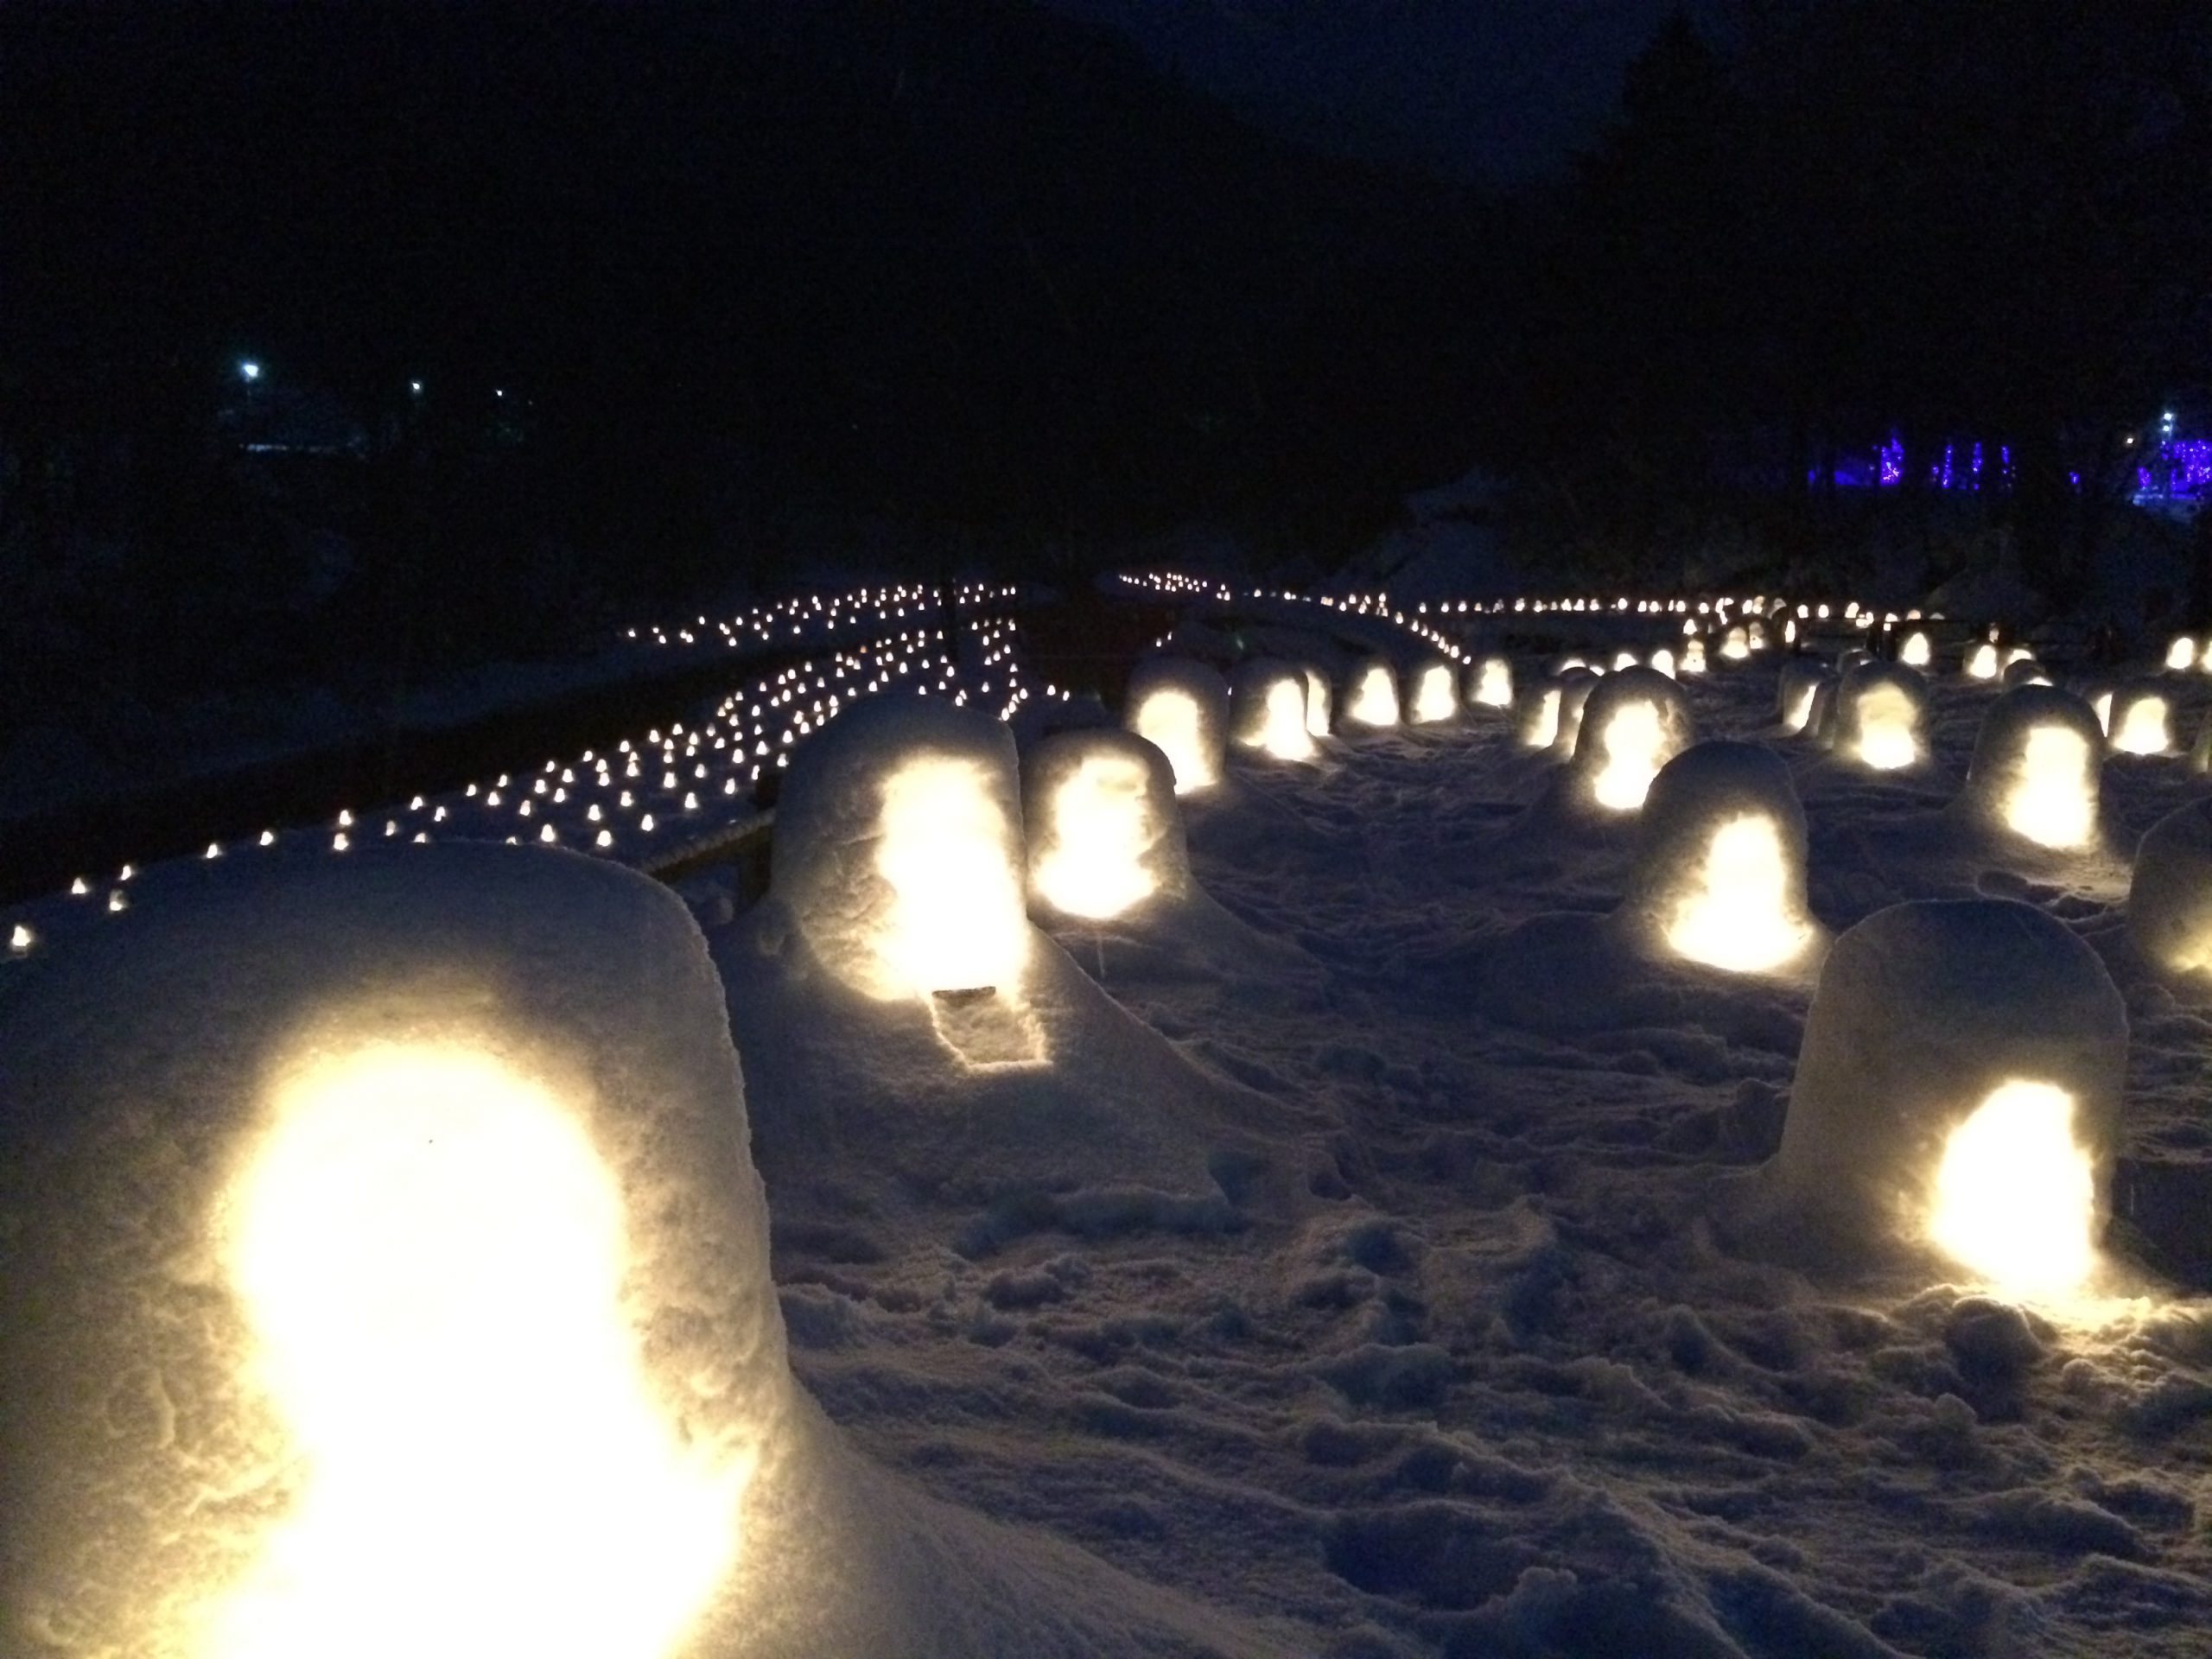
x=2182, y=653
x=1494, y=684
x=1099, y=834
x=1631, y=743
x=1799, y=708
x=1433, y=699
x=1317, y=702
x=1545, y=731
x=1737, y=913
x=431, y=1257
x=1885, y=728
x=2015, y=1198
x=2050, y=805
x=1981, y=662
x=956, y=917
x=2143, y=727
x=1693, y=657
x=1375, y=699
x=1916, y=651
x=1169, y=720
x=1282, y=731
x=1736, y=647
x=1663, y=660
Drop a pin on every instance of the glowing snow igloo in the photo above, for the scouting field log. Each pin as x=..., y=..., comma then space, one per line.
x=1105, y=837
x=1634, y=723
x=1267, y=707
x=2141, y=721
x=2181, y=653
x=1916, y=650
x=1719, y=873
x=2169, y=900
x=1436, y=695
x=1801, y=680
x=1181, y=708
x=1881, y=718
x=1982, y=661
x=405, y=1202
x=1490, y=683
x=1959, y=1086
x=898, y=850
x=1370, y=696
x=2036, y=768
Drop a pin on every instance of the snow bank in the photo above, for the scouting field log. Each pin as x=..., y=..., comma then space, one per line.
x=1928, y=1015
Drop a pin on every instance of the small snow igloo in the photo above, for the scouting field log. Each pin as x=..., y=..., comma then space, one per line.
x=2169, y=900
x=1267, y=706
x=1982, y=661
x=1489, y=682
x=2036, y=768
x=899, y=850
x=2141, y=721
x=1719, y=873
x=1881, y=718
x=1181, y=708
x=1634, y=723
x=1801, y=677
x=1916, y=650
x=1370, y=696
x=1958, y=1085
x=1435, y=695
x=1105, y=835
x=405, y=1202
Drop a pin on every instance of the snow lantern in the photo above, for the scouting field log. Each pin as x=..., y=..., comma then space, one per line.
x=1735, y=645
x=1916, y=650
x=386, y=1272
x=1267, y=707
x=1575, y=689
x=2170, y=900
x=1800, y=679
x=2181, y=654
x=2024, y=670
x=1881, y=716
x=1981, y=661
x=1370, y=695
x=1633, y=723
x=2141, y=721
x=1435, y=694
x=1320, y=701
x=1490, y=683
x=1104, y=835
x=1720, y=874
x=1960, y=1083
x=2036, y=768
x=1662, y=659
x=1181, y=708
x=1535, y=714
x=1693, y=657
x=899, y=850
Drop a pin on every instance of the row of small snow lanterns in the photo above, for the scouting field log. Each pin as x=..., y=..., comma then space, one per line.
x=786, y=619
x=743, y=720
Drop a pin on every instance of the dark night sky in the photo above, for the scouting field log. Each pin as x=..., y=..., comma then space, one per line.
x=1501, y=88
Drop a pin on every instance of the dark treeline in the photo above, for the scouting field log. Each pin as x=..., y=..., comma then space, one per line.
x=762, y=281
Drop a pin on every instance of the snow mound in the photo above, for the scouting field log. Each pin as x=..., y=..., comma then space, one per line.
x=2035, y=769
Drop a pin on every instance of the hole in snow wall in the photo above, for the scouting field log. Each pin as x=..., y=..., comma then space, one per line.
x=404, y=1199
x=1926, y=1013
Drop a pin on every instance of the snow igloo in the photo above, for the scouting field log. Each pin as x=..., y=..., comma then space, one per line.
x=1267, y=706
x=2036, y=768
x=1800, y=681
x=1370, y=697
x=1959, y=1086
x=2170, y=899
x=1489, y=682
x=1880, y=717
x=1104, y=833
x=387, y=1274
x=2141, y=720
x=1916, y=650
x=1181, y=708
x=1719, y=872
x=1632, y=725
x=1436, y=695
x=898, y=851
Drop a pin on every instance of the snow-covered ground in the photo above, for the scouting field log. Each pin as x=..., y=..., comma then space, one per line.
x=1361, y=1265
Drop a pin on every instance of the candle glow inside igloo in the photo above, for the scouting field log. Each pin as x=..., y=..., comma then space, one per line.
x=2036, y=768
x=1373, y=697
x=1101, y=832
x=1435, y=697
x=1181, y=708
x=1633, y=723
x=2141, y=721
x=1880, y=717
x=1268, y=706
x=1493, y=683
